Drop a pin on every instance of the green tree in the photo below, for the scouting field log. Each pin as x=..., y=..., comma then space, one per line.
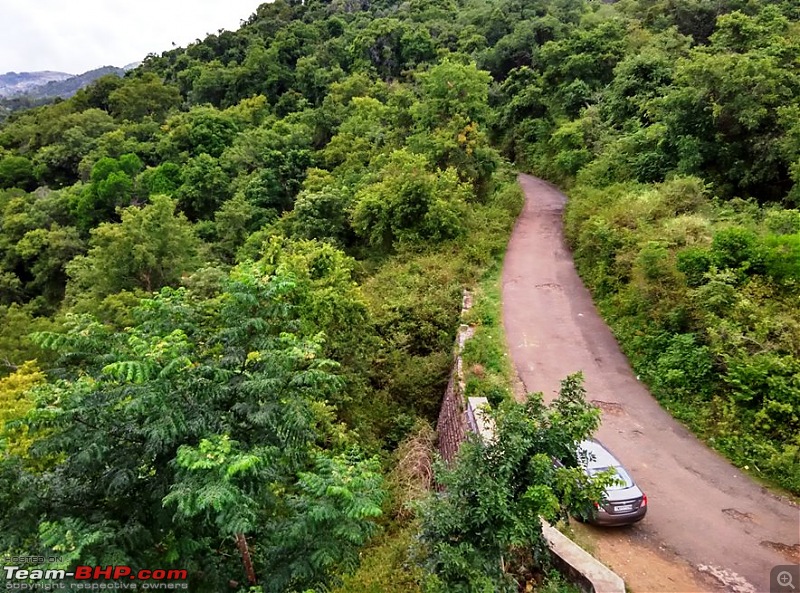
x=46, y=253
x=201, y=130
x=207, y=418
x=163, y=179
x=65, y=142
x=449, y=90
x=111, y=187
x=410, y=205
x=143, y=96
x=390, y=46
x=15, y=402
x=149, y=248
x=16, y=171
x=722, y=113
x=17, y=322
x=236, y=220
x=582, y=63
x=322, y=215
x=205, y=186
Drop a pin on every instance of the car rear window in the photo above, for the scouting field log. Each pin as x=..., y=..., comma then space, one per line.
x=624, y=480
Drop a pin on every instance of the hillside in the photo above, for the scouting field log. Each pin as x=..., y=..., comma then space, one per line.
x=231, y=279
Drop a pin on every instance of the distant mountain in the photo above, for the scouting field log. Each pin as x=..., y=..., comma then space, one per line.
x=24, y=90
x=19, y=83
x=67, y=87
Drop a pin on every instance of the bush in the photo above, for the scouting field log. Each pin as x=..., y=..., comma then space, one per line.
x=782, y=257
x=736, y=247
x=693, y=263
x=409, y=205
x=704, y=305
x=684, y=370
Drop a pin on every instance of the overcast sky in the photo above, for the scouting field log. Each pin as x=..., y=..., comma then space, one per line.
x=81, y=35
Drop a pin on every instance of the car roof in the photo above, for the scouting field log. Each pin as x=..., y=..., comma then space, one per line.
x=597, y=455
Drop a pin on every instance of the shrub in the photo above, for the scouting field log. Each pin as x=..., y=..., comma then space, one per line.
x=736, y=247
x=694, y=263
x=684, y=370
x=410, y=205
x=782, y=257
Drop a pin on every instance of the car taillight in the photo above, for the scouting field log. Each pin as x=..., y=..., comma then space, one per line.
x=644, y=500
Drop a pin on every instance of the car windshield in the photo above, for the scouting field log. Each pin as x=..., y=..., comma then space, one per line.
x=623, y=479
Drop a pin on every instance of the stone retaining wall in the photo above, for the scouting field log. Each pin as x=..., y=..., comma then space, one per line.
x=451, y=427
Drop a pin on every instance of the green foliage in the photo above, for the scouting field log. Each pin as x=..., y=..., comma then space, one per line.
x=410, y=205
x=694, y=263
x=164, y=179
x=234, y=222
x=704, y=309
x=322, y=215
x=16, y=324
x=487, y=368
x=143, y=96
x=783, y=257
x=388, y=45
x=111, y=187
x=36, y=243
x=375, y=128
x=336, y=502
x=684, y=371
x=450, y=90
x=16, y=171
x=202, y=130
x=734, y=248
x=328, y=301
x=205, y=187
x=15, y=402
x=386, y=567
x=149, y=248
x=482, y=531
x=204, y=419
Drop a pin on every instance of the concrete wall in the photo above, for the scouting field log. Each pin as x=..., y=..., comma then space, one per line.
x=580, y=567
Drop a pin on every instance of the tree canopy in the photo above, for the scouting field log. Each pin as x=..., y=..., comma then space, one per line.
x=230, y=280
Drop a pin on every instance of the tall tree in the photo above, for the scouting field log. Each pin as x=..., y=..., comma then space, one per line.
x=204, y=420
x=149, y=248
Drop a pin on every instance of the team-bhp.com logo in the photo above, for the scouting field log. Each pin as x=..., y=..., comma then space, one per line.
x=94, y=578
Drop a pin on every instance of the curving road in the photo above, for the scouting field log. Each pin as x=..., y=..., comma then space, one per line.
x=703, y=511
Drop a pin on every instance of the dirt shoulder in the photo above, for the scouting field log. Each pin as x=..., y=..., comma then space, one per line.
x=706, y=518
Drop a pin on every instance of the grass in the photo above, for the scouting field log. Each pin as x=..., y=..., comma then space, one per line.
x=386, y=566
x=554, y=582
x=488, y=369
x=579, y=534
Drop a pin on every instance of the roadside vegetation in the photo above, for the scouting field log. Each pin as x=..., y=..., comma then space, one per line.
x=230, y=281
x=679, y=146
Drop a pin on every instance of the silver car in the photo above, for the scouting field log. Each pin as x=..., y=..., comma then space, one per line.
x=624, y=503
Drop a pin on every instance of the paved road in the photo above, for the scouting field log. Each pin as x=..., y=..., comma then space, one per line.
x=702, y=509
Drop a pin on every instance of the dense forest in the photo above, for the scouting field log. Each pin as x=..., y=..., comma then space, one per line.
x=231, y=279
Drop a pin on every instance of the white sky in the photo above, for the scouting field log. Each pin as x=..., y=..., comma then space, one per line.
x=79, y=35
